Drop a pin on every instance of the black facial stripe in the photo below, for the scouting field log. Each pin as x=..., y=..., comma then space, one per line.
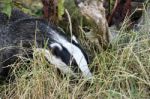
x=66, y=57
x=74, y=66
x=62, y=54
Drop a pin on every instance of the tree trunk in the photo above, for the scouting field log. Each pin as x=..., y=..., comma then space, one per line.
x=94, y=11
x=50, y=10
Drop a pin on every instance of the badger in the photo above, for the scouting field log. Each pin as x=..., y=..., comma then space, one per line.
x=21, y=31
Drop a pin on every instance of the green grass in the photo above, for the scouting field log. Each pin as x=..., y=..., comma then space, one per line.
x=122, y=71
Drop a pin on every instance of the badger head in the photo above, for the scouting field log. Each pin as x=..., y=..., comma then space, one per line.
x=61, y=51
x=67, y=55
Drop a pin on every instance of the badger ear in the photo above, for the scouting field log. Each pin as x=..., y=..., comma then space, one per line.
x=56, y=45
x=73, y=38
x=56, y=49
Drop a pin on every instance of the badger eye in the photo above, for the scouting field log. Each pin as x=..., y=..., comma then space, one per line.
x=74, y=66
x=73, y=62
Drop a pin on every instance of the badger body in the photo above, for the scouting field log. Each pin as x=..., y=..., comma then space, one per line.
x=19, y=35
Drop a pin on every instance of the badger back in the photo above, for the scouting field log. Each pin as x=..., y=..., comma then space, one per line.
x=63, y=52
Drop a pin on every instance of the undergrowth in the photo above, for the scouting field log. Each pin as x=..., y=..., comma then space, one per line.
x=120, y=72
x=123, y=71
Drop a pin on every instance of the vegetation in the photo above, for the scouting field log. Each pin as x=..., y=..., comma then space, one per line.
x=122, y=71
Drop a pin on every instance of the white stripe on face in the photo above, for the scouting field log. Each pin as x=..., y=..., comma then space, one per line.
x=79, y=58
x=76, y=53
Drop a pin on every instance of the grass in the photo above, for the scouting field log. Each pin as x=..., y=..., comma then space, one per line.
x=120, y=72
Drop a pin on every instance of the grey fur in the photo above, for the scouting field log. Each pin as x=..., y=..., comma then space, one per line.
x=17, y=36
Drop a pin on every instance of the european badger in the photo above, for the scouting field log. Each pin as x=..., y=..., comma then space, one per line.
x=21, y=32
